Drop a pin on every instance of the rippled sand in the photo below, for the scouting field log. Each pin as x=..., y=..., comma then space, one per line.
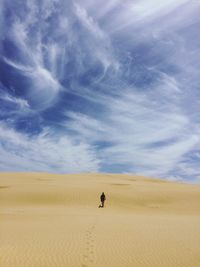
x=54, y=220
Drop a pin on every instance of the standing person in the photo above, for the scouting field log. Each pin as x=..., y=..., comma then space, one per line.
x=102, y=198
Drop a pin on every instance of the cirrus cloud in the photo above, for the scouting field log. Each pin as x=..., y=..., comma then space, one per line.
x=100, y=86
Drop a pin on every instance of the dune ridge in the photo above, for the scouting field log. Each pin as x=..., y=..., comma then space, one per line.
x=54, y=220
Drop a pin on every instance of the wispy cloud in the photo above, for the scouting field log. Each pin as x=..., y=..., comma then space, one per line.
x=44, y=153
x=141, y=133
x=19, y=102
x=137, y=13
x=88, y=22
x=114, y=86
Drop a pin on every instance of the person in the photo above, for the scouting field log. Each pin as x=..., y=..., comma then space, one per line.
x=102, y=198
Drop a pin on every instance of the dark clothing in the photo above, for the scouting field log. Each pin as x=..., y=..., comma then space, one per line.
x=102, y=198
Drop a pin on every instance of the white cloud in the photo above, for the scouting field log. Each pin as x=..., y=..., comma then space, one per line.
x=19, y=32
x=18, y=66
x=147, y=132
x=44, y=87
x=88, y=22
x=135, y=13
x=101, y=48
x=149, y=129
x=20, y=102
x=44, y=153
x=99, y=9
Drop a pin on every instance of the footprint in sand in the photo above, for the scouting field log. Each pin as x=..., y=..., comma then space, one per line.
x=88, y=257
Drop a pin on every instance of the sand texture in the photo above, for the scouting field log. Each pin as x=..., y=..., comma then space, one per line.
x=51, y=220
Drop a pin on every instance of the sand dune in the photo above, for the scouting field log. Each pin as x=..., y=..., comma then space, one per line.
x=54, y=220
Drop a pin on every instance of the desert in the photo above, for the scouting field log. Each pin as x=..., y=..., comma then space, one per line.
x=54, y=220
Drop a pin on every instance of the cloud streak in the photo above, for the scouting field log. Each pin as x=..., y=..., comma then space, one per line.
x=133, y=140
x=106, y=84
x=44, y=153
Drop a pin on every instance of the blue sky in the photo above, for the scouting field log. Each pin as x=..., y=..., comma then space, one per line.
x=100, y=86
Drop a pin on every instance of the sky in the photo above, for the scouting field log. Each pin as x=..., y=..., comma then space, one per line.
x=100, y=86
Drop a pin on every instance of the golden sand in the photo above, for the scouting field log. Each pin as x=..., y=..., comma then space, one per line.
x=51, y=220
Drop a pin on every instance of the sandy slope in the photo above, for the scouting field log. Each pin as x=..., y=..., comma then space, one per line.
x=54, y=221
